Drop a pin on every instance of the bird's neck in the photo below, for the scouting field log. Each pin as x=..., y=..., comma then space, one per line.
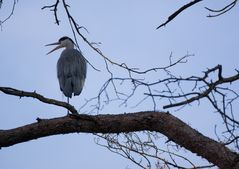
x=69, y=46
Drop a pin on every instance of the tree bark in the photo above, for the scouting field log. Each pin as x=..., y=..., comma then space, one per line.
x=162, y=122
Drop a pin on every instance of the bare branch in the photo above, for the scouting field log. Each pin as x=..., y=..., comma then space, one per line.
x=216, y=13
x=54, y=6
x=176, y=13
x=20, y=93
x=211, y=87
x=10, y=15
x=177, y=131
x=129, y=144
x=221, y=11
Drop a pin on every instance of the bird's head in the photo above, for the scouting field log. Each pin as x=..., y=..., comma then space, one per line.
x=62, y=42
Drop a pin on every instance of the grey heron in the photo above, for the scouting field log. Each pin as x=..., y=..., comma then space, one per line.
x=71, y=67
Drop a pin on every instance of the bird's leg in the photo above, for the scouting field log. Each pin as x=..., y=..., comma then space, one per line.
x=68, y=101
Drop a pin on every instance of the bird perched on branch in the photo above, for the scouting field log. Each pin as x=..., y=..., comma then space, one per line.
x=71, y=67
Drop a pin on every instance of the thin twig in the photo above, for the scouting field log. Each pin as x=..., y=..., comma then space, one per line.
x=176, y=13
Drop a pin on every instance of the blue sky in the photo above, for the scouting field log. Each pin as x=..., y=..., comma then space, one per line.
x=126, y=30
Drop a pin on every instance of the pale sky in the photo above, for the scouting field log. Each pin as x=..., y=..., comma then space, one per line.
x=126, y=30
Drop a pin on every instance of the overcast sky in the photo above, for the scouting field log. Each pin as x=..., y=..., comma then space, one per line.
x=126, y=30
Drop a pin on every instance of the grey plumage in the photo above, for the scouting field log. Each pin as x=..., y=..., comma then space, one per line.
x=71, y=72
x=71, y=68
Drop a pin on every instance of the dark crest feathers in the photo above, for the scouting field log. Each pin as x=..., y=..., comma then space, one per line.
x=64, y=38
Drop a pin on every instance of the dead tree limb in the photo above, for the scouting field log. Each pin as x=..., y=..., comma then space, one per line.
x=176, y=13
x=165, y=123
x=20, y=93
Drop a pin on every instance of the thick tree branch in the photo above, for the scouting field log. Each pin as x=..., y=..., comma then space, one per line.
x=162, y=122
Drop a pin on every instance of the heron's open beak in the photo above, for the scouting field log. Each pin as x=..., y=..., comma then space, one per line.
x=58, y=47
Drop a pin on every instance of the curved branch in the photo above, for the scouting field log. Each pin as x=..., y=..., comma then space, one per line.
x=162, y=122
x=11, y=14
x=224, y=10
x=20, y=93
